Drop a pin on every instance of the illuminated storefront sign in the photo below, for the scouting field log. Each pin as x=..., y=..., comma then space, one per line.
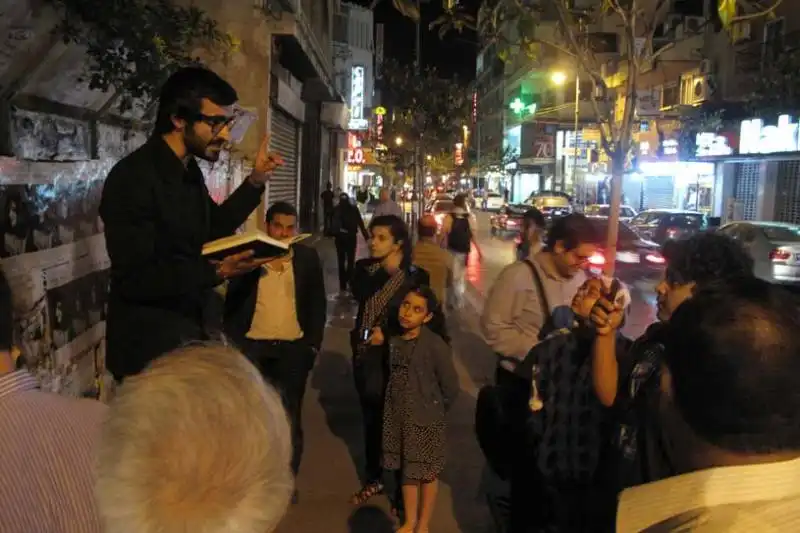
x=357, y=120
x=355, y=157
x=712, y=144
x=756, y=138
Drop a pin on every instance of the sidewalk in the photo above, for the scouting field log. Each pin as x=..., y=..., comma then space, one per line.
x=333, y=446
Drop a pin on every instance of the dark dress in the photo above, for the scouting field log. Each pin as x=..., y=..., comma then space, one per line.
x=418, y=451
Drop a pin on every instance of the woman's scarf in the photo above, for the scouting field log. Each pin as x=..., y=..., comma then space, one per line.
x=376, y=305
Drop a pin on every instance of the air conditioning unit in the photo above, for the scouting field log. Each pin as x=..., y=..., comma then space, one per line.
x=700, y=90
x=706, y=67
x=693, y=25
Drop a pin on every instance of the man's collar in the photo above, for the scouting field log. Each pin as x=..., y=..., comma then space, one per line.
x=167, y=162
x=643, y=506
x=17, y=381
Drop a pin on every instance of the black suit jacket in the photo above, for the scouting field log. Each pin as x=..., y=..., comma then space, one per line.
x=157, y=216
x=310, y=298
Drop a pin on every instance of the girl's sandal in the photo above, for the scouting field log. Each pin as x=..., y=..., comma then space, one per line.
x=366, y=493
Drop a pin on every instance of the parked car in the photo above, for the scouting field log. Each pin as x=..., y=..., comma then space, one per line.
x=551, y=205
x=636, y=257
x=493, y=202
x=626, y=212
x=774, y=247
x=662, y=225
x=508, y=220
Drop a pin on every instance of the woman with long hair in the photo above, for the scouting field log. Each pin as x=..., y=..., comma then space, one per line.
x=379, y=284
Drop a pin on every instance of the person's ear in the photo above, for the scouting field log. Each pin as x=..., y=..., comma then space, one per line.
x=179, y=123
x=559, y=247
x=427, y=318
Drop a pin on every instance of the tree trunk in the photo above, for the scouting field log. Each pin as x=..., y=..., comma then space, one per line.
x=617, y=172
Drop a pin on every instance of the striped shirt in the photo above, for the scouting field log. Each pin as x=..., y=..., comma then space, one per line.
x=47, y=444
x=733, y=499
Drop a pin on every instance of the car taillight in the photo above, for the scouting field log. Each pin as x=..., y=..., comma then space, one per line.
x=673, y=232
x=597, y=259
x=779, y=254
x=655, y=258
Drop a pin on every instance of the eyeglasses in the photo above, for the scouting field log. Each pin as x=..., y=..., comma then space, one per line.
x=216, y=122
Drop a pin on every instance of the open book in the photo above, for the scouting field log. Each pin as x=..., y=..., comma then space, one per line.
x=262, y=245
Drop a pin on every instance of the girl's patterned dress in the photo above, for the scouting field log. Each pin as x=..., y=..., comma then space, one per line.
x=418, y=451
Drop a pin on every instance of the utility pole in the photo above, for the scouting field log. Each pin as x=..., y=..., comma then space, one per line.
x=419, y=179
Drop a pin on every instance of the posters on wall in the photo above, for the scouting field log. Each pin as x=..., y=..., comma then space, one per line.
x=52, y=251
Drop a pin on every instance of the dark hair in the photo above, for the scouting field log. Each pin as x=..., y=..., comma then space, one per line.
x=437, y=323
x=399, y=232
x=732, y=351
x=182, y=94
x=460, y=200
x=6, y=314
x=425, y=230
x=572, y=230
x=705, y=258
x=535, y=217
x=280, y=208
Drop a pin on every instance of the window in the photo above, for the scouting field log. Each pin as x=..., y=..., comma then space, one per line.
x=782, y=233
x=670, y=96
x=773, y=39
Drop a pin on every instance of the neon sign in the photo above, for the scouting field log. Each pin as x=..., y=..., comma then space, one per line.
x=357, y=120
x=756, y=138
x=355, y=157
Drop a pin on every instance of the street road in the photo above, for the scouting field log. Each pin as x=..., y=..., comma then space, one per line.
x=499, y=252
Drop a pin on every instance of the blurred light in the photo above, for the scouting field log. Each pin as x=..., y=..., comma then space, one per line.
x=597, y=259
x=398, y=141
x=558, y=78
x=655, y=258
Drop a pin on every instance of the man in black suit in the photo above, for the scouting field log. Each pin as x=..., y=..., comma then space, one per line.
x=277, y=315
x=158, y=214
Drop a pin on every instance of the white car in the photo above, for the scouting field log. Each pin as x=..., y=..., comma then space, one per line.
x=774, y=247
x=493, y=202
x=626, y=212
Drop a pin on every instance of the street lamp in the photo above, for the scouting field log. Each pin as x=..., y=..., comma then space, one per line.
x=559, y=78
x=398, y=141
x=429, y=157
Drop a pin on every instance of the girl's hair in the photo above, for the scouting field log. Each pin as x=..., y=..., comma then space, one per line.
x=437, y=324
x=399, y=231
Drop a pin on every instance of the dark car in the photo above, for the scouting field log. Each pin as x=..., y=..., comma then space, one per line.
x=552, y=204
x=662, y=225
x=508, y=220
x=635, y=256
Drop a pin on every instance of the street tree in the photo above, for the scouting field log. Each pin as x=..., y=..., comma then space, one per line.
x=516, y=27
x=133, y=45
x=424, y=110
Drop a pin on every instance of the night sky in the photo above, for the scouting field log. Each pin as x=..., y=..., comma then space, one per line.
x=455, y=55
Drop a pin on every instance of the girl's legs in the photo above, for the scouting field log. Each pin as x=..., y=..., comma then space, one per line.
x=411, y=490
x=429, y=491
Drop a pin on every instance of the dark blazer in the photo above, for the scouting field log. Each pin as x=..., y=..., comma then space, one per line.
x=157, y=216
x=310, y=298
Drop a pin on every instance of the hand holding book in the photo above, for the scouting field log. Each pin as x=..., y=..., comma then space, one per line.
x=238, y=264
x=243, y=253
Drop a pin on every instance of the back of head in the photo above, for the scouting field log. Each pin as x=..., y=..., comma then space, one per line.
x=182, y=93
x=534, y=218
x=197, y=442
x=732, y=353
x=706, y=258
x=460, y=201
x=572, y=230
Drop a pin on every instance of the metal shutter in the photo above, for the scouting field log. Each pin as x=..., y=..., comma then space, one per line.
x=283, y=139
x=659, y=192
x=746, y=190
x=787, y=208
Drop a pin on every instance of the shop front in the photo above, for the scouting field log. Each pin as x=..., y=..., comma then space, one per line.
x=537, y=162
x=360, y=167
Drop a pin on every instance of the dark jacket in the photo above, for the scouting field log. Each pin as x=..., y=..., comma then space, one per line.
x=310, y=298
x=157, y=216
x=432, y=378
x=348, y=220
x=364, y=285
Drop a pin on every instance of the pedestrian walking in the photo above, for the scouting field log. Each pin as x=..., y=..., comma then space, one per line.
x=346, y=222
x=327, y=208
x=429, y=255
x=459, y=234
x=422, y=388
x=387, y=206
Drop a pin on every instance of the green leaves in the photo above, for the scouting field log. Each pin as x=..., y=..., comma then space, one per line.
x=133, y=45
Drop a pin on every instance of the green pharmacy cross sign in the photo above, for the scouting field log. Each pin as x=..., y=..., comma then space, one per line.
x=521, y=108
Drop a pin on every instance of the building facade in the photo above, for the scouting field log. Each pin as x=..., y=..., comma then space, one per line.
x=357, y=47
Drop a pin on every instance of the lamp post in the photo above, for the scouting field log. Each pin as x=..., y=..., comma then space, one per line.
x=559, y=78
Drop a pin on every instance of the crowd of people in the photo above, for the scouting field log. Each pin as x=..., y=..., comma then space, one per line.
x=695, y=426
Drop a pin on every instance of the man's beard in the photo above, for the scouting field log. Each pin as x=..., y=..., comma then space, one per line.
x=200, y=148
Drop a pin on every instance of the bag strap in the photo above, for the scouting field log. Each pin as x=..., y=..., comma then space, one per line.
x=537, y=279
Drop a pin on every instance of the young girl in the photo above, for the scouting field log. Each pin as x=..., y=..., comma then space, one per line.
x=422, y=386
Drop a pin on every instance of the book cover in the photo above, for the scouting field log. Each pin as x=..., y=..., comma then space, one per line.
x=262, y=245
